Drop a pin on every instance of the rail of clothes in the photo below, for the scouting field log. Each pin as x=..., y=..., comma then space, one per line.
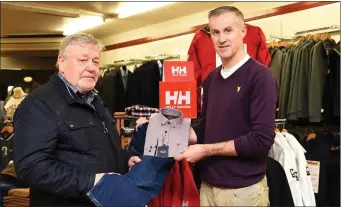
x=293, y=151
x=308, y=75
x=120, y=88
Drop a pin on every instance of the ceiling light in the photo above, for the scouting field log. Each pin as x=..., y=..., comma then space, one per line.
x=82, y=23
x=127, y=9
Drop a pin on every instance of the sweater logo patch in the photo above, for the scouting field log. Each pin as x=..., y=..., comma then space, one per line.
x=238, y=88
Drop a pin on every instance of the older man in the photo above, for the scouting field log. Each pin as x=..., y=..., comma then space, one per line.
x=65, y=139
x=237, y=128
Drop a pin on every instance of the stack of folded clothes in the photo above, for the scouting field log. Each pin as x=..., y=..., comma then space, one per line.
x=18, y=197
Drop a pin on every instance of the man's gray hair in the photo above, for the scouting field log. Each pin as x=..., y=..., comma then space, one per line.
x=78, y=39
x=224, y=9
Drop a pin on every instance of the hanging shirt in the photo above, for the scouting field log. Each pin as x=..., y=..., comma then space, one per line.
x=306, y=185
x=167, y=133
x=286, y=158
x=124, y=74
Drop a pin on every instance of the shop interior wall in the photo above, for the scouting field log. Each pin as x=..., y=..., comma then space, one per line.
x=30, y=63
x=284, y=25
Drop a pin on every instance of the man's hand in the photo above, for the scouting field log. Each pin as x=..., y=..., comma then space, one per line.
x=193, y=153
x=133, y=160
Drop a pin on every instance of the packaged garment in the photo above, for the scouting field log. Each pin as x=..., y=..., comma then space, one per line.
x=167, y=133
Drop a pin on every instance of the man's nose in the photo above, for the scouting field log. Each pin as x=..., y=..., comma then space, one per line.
x=222, y=38
x=91, y=66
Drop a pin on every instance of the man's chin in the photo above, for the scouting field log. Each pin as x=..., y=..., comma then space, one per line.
x=86, y=87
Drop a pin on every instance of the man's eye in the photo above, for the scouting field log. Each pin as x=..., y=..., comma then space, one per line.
x=214, y=32
x=96, y=62
x=228, y=30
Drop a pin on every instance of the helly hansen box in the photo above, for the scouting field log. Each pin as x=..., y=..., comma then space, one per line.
x=178, y=71
x=179, y=95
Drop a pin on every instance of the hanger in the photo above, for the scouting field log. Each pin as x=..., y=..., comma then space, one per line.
x=311, y=136
x=276, y=129
x=7, y=128
x=124, y=68
x=317, y=37
x=326, y=36
x=274, y=44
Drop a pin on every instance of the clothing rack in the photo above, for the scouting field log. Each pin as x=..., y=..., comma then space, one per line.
x=119, y=63
x=280, y=121
x=163, y=57
x=331, y=28
x=279, y=38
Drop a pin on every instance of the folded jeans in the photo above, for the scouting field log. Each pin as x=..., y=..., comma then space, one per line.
x=141, y=184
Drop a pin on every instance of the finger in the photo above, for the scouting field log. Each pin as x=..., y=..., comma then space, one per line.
x=179, y=157
x=136, y=160
x=184, y=150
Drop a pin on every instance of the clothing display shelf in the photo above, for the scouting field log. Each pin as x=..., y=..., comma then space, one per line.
x=127, y=62
x=163, y=57
x=125, y=133
x=280, y=38
x=331, y=28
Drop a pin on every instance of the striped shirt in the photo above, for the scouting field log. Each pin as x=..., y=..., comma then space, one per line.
x=85, y=97
x=167, y=133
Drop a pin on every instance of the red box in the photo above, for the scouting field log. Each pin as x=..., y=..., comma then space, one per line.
x=179, y=95
x=178, y=71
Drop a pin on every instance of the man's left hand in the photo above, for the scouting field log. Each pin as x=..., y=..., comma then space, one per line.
x=133, y=160
x=193, y=153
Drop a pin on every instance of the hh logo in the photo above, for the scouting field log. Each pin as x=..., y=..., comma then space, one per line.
x=178, y=97
x=179, y=71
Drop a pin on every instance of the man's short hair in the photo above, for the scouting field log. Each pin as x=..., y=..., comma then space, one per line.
x=78, y=39
x=223, y=9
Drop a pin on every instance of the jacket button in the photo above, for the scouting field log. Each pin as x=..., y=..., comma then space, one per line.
x=71, y=125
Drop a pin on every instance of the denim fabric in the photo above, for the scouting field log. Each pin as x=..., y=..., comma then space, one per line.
x=141, y=184
x=136, y=145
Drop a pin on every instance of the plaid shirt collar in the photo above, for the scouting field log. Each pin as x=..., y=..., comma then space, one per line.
x=86, y=97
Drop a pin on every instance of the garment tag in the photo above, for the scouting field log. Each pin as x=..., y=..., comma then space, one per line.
x=162, y=151
x=314, y=171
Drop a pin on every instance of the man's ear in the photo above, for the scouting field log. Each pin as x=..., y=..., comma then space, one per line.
x=60, y=63
x=244, y=30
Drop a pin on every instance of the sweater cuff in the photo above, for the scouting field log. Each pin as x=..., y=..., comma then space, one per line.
x=240, y=146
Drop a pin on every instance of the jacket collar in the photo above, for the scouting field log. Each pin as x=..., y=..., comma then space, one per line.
x=69, y=92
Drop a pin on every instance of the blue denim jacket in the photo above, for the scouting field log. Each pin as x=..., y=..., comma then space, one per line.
x=140, y=185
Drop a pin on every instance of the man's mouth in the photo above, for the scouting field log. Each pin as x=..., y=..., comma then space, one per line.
x=224, y=46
